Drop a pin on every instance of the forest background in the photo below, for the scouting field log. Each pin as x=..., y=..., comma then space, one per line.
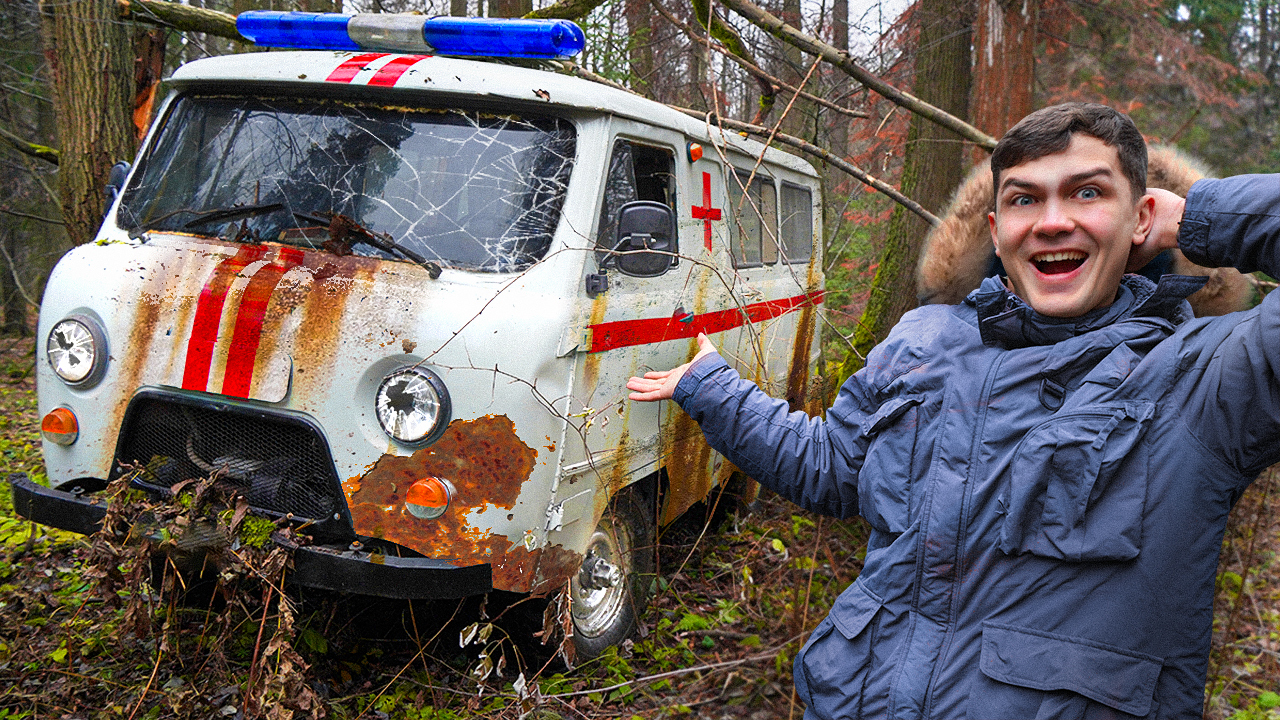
x=835, y=81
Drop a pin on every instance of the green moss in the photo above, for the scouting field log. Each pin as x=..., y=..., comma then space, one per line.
x=255, y=532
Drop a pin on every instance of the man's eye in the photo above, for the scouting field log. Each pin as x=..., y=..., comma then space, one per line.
x=1088, y=193
x=1022, y=200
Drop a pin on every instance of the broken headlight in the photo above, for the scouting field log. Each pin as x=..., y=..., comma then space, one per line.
x=413, y=406
x=77, y=350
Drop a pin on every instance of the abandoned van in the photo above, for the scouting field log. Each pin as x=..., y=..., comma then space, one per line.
x=394, y=299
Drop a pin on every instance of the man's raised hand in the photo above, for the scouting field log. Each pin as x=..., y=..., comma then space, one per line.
x=660, y=384
x=1166, y=213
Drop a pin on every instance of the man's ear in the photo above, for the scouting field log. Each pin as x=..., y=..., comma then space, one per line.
x=991, y=220
x=1146, y=213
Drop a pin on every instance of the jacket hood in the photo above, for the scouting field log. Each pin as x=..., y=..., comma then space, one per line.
x=1005, y=320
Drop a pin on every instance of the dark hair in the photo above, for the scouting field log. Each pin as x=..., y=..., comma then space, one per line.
x=1049, y=130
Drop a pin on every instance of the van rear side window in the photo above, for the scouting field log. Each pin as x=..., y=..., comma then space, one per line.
x=797, y=223
x=465, y=189
x=753, y=226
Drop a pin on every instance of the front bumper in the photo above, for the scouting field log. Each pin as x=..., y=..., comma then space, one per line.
x=345, y=570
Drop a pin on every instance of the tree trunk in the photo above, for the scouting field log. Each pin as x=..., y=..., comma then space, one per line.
x=933, y=166
x=1004, y=64
x=839, y=142
x=640, y=44
x=90, y=60
x=510, y=8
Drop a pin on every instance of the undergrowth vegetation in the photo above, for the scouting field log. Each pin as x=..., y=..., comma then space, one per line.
x=94, y=628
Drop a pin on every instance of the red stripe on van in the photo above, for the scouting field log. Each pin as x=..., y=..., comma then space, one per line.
x=388, y=74
x=352, y=67
x=204, y=330
x=243, y=351
x=626, y=333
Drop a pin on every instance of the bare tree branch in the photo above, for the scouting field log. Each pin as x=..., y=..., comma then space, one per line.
x=755, y=69
x=811, y=149
x=795, y=142
x=776, y=27
x=565, y=10
x=182, y=17
x=28, y=216
x=40, y=152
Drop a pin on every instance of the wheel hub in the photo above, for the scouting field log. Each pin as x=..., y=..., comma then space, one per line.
x=598, y=591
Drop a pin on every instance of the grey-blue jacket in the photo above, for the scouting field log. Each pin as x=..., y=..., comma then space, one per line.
x=1047, y=497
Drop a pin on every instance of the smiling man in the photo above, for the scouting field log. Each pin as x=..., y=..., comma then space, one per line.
x=1047, y=467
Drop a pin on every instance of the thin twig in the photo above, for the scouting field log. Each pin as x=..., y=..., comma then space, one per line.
x=769, y=654
x=28, y=216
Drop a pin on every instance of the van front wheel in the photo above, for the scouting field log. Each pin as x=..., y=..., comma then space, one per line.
x=611, y=589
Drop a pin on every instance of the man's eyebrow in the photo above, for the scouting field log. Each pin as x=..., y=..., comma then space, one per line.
x=1070, y=180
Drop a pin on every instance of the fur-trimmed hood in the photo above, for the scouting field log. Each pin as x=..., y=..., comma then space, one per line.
x=958, y=253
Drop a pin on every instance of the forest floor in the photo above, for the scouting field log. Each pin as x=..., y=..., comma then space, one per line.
x=84, y=634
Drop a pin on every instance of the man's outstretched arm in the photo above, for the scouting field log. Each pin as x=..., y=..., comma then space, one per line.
x=810, y=461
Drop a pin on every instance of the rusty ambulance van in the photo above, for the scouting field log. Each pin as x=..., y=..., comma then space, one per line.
x=395, y=296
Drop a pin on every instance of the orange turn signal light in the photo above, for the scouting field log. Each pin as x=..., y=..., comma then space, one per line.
x=429, y=497
x=695, y=152
x=60, y=426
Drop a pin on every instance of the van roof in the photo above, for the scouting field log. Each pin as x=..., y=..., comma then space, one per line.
x=456, y=76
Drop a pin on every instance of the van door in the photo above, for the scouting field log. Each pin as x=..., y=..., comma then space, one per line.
x=646, y=323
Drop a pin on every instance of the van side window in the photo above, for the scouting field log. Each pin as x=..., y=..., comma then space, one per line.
x=753, y=230
x=636, y=172
x=797, y=223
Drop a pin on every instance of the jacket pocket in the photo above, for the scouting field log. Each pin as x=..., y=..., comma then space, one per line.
x=1076, y=491
x=831, y=667
x=885, y=480
x=1044, y=675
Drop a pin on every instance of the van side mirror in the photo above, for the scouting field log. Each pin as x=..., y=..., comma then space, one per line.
x=646, y=241
x=115, y=183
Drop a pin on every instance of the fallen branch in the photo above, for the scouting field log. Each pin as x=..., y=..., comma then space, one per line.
x=811, y=149
x=795, y=142
x=812, y=45
x=565, y=10
x=182, y=17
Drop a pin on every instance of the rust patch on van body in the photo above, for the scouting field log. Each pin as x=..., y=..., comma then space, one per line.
x=591, y=362
x=488, y=464
x=556, y=566
x=688, y=465
x=798, y=373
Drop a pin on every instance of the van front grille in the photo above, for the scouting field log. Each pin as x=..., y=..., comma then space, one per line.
x=280, y=463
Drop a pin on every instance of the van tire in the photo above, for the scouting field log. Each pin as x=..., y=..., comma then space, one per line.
x=606, y=600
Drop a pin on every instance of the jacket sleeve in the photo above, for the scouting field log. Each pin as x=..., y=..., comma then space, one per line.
x=811, y=461
x=1235, y=222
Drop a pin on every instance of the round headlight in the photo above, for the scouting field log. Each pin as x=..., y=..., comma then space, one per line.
x=77, y=350
x=413, y=406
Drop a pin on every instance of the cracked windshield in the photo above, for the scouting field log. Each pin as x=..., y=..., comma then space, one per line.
x=462, y=189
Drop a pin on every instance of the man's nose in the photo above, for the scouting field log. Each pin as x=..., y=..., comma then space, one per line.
x=1055, y=219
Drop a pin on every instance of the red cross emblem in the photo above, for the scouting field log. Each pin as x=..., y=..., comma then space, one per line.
x=706, y=213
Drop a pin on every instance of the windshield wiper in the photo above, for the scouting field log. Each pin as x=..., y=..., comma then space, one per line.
x=345, y=232
x=235, y=212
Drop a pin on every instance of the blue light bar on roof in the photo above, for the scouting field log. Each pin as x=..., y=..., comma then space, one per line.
x=470, y=37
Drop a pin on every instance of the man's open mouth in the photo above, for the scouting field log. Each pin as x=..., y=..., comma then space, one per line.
x=1057, y=263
